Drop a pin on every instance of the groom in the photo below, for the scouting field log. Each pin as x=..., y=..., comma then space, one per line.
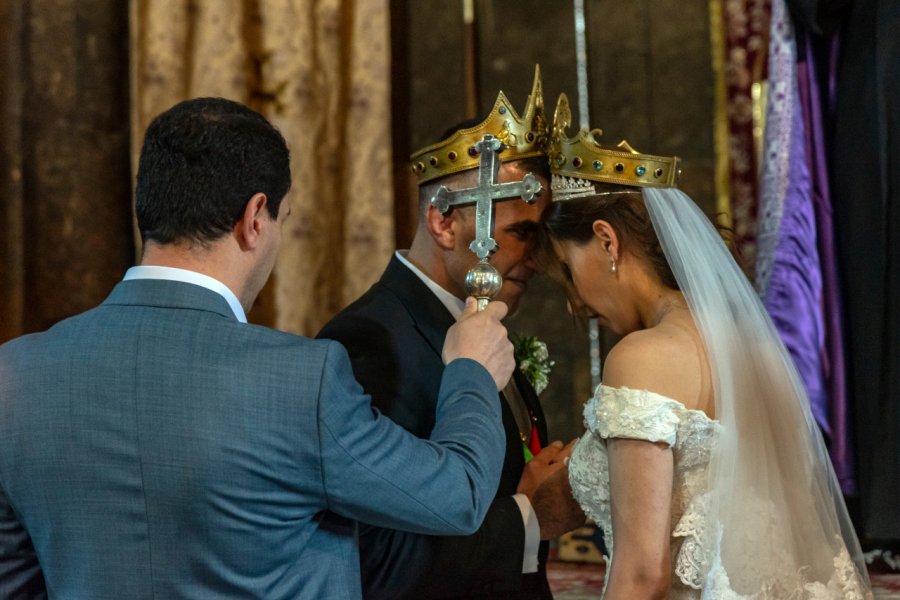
x=393, y=334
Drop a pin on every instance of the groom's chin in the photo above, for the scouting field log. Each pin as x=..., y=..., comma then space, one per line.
x=511, y=293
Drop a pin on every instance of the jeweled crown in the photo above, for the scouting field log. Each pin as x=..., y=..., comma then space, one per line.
x=582, y=157
x=523, y=137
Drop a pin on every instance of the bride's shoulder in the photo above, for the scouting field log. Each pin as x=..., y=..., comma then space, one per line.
x=659, y=360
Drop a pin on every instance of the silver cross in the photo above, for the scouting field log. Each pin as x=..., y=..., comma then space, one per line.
x=485, y=193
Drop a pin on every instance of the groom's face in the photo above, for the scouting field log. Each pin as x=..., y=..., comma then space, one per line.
x=516, y=225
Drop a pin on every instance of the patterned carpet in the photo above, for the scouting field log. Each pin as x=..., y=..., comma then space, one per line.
x=576, y=567
x=584, y=581
x=575, y=581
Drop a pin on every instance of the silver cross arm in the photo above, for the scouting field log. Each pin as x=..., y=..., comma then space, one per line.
x=486, y=193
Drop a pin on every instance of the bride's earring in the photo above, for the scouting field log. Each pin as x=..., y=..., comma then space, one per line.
x=612, y=264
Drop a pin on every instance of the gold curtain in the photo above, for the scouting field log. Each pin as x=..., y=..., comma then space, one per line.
x=320, y=71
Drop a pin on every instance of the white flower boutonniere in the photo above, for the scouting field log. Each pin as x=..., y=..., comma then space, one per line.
x=533, y=360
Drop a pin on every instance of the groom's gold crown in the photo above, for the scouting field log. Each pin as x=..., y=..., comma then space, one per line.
x=582, y=157
x=523, y=137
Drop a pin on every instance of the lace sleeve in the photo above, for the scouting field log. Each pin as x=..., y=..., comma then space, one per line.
x=633, y=414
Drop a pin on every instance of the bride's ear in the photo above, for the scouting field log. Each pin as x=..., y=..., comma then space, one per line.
x=609, y=239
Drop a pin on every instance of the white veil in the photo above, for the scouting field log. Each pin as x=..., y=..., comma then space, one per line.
x=777, y=524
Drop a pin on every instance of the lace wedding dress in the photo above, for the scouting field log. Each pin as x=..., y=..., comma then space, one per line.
x=697, y=571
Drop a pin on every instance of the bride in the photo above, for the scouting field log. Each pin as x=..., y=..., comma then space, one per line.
x=701, y=460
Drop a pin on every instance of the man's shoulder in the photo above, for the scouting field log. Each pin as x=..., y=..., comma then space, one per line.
x=265, y=338
x=398, y=295
x=95, y=329
x=396, y=305
x=17, y=349
x=71, y=328
x=379, y=308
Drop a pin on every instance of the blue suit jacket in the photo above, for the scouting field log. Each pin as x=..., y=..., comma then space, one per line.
x=155, y=447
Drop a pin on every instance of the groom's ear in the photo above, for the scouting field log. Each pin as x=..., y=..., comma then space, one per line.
x=440, y=227
x=608, y=237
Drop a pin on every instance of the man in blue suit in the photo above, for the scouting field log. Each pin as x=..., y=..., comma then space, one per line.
x=158, y=446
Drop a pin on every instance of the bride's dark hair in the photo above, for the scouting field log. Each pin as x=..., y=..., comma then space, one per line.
x=620, y=206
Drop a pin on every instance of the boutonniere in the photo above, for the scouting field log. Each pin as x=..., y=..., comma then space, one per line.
x=533, y=360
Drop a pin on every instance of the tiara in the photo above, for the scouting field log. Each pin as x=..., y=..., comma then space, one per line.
x=569, y=188
x=524, y=137
x=582, y=157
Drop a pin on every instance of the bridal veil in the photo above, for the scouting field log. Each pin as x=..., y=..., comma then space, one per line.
x=776, y=523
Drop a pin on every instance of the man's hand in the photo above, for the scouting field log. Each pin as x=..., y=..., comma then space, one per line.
x=544, y=464
x=556, y=509
x=481, y=337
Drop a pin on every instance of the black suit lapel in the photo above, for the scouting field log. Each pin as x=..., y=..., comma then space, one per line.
x=431, y=317
x=433, y=320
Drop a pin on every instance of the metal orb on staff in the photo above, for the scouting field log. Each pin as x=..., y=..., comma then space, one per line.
x=483, y=281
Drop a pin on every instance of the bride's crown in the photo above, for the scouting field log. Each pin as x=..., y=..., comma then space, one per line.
x=573, y=160
x=523, y=137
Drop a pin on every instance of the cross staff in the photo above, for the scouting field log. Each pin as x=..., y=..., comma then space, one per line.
x=483, y=281
x=485, y=193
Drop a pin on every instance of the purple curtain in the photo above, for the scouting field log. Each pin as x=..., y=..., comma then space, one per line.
x=796, y=266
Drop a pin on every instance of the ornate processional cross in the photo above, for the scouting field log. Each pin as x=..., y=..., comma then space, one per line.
x=484, y=281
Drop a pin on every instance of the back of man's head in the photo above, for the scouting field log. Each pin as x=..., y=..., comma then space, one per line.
x=202, y=160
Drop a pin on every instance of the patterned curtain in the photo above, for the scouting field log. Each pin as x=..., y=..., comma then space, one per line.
x=739, y=31
x=320, y=71
x=795, y=265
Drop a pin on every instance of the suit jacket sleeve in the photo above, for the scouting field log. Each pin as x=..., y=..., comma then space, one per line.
x=398, y=564
x=20, y=574
x=377, y=472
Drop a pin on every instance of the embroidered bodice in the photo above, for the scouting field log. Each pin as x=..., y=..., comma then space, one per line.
x=644, y=415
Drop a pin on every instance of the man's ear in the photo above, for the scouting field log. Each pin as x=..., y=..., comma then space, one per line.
x=247, y=230
x=440, y=227
x=608, y=237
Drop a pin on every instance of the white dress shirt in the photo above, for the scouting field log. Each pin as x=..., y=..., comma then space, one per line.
x=529, y=517
x=185, y=276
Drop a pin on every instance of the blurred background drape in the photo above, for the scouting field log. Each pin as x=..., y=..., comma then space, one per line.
x=320, y=71
x=64, y=177
x=356, y=85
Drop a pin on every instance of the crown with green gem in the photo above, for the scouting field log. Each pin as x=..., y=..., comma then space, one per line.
x=523, y=137
x=573, y=160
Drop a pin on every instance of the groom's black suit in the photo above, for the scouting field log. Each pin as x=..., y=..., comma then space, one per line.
x=394, y=334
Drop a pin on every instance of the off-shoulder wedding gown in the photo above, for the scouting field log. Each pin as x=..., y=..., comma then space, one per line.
x=696, y=572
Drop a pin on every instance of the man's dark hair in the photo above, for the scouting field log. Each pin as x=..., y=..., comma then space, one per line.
x=201, y=162
x=467, y=124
